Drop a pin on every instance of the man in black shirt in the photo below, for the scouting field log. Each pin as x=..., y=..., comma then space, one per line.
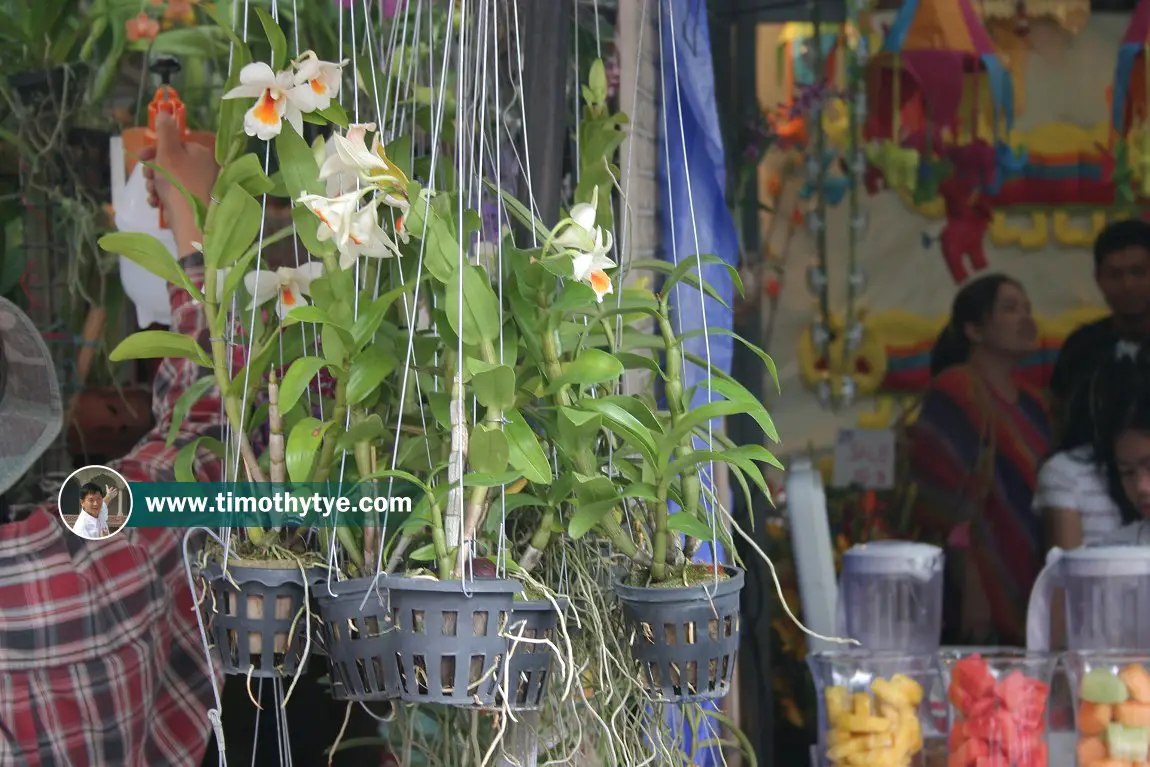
x=1122, y=270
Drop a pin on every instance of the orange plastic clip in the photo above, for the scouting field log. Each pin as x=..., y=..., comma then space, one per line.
x=167, y=100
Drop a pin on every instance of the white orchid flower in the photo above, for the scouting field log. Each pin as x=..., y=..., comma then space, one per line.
x=334, y=213
x=364, y=237
x=317, y=81
x=581, y=234
x=372, y=166
x=290, y=287
x=590, y=268
x=347, y=159
x=277, y=99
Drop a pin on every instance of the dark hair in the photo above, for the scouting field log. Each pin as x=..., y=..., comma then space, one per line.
x=973, y=304
x=1125, y=406
x=1118, y=236
x=88, y=488
x=1092, y=399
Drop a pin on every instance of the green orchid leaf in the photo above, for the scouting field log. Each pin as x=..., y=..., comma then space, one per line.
x=625, y=425
x=303, y=444
x=495, y=387
x=369, y=429
x=185, y=461
x=296, y=380
x=151, y=254
x=591, y=367
x=488, y=451
x=524, y=451
x=480, y=320
x=586, y=516
x=754, y=349
x=276, y=39
x=184, y=404
x=247, y=173
x=231, y=228
x=491, y=479
x=688, y=524
x=368, y=370
x=158, y=344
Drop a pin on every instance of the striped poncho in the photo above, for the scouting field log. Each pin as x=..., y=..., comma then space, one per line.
x=974, y=459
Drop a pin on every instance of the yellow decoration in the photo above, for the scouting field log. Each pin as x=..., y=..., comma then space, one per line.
x=836, y=125
x=867, y=366
x=1067, y=234
x=899, y=165
x=1003, y=235
x=1139, y=145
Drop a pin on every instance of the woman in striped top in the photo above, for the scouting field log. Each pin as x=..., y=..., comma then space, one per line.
x=976, y=446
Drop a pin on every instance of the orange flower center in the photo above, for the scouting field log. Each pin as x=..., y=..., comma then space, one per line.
x=287, y=295
x=265, y=109
x=600, y=282
x=318, y=86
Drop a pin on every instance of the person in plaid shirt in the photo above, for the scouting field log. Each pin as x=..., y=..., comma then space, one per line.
x=100, y=654
x=101, y=663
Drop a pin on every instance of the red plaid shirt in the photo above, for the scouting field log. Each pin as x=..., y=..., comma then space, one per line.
x=100, y=656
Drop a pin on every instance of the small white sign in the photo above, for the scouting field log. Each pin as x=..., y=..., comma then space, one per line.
x=864, y=458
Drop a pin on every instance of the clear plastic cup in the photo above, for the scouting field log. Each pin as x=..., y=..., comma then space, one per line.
x=999, y=704
x=1111, y=690
x=872, y=707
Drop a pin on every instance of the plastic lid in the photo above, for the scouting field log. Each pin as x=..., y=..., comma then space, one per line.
x=1100, y=561
x=919, y=560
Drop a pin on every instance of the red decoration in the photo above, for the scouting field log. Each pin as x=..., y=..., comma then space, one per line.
x=967, y=218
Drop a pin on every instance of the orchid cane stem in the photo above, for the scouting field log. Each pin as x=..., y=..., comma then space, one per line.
x=584, y=462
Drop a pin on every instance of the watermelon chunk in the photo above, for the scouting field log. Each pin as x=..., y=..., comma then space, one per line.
x=1025, y=698
x=1000, y=723
x=973, y=675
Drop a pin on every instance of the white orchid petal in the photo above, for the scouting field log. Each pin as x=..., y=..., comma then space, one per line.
x=305, y=273
x=262, y=286
x=584, y=216
x=294, y=118
x=257, y=73
x=245, y=92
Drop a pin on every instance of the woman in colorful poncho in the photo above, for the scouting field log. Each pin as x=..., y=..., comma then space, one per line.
x=976, y=446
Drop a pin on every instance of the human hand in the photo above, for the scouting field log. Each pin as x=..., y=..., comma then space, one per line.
x=110, y=493
x=191, y=164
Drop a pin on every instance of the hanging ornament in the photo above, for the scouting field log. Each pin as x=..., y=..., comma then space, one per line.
x=820, y=334
x=1021, y=19
x=823, y=392
x=858, y=281
x=848, y=390
x=814, y=222
x=814, y=166
x=853, y=338
x=816, y=279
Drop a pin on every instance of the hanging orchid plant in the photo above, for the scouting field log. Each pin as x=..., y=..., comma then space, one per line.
x=484, y=374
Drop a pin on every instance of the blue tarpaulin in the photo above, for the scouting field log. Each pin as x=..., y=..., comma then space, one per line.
x=693, y=213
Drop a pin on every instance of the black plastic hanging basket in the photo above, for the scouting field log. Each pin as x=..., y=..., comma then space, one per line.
x=529, y=662
x=685, y=639
x=449, y=638
x=257, y=619
x=359, y=639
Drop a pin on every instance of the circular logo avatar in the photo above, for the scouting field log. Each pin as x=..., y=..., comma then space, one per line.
x=95, y=502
